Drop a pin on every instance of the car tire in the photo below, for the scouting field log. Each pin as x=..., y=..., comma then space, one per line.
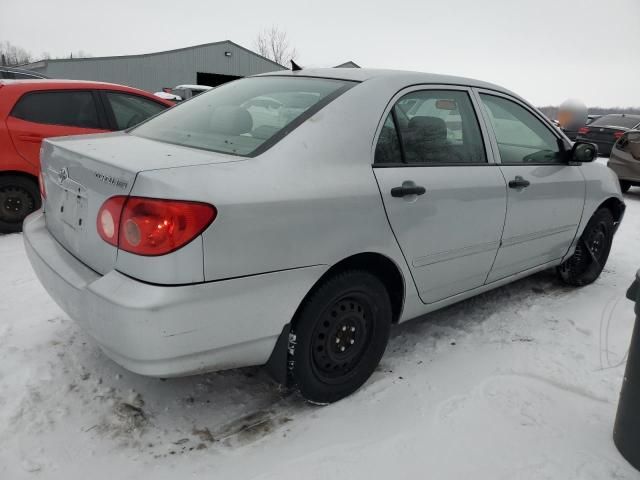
x=625, y=186
x=592, y=251
x=19, y=196
x=341, y=332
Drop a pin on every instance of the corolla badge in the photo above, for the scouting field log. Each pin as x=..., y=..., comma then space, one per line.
x=116, y=182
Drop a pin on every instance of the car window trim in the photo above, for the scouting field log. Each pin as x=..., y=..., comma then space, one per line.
x=563, y=143
x=110, y=115
x=101, y=121
x=490, y=158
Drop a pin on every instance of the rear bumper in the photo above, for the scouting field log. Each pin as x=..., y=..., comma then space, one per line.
x=169, y=330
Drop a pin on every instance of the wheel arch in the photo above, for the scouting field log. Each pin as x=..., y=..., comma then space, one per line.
x=387, y=271
x=20, y=173
x=615, y=206
x=378, y=264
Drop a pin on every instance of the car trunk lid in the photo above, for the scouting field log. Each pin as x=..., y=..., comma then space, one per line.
x=81, y=173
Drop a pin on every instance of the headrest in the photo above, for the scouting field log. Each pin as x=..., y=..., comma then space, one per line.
x=429, y=128
x=231, y=120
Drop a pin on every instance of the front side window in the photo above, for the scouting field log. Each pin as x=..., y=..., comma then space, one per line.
x=438, y=126
x=245, y=116
x=67, y=108
x=130, y=110
x=521, y=136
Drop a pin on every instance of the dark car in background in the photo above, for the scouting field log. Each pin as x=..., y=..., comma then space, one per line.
x=625, y=159
x=607, y=130
x=11, y=73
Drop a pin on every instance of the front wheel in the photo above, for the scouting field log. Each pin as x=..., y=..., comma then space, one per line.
x=341, y=333
x=19, y=196
x=592, y=251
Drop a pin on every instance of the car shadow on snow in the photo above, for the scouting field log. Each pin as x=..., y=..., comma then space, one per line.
x=164, y=417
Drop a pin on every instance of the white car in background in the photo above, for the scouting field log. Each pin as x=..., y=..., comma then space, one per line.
x=182, y=92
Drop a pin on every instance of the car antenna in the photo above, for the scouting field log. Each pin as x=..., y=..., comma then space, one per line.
x=294, y=66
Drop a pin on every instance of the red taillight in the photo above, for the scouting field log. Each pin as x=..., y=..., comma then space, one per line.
x=583, y=130
x=43, y=190
x=108, y=221
x=152, y=226
x=618, y=135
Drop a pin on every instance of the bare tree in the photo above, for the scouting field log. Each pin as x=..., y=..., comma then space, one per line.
x=273, y=43
x=80, y=54
x=13, y=55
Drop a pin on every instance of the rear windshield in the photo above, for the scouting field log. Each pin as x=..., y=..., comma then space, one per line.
x=616, y=121
x=244, y=117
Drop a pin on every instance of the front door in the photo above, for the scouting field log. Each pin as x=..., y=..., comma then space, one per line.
x=444, y=200
x=545, y=194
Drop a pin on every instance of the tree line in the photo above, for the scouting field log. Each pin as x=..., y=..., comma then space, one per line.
x=13, y=55
x=552, y=112
x=272, y=43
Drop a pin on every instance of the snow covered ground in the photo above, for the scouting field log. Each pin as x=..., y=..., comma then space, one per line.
x=519, y=383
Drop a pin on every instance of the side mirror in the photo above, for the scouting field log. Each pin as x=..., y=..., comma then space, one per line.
x=583, y=152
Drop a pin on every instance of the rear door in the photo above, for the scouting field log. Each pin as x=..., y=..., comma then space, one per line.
x=126, y=110
x=42, y=114
x=444, y=198
x=545, y=194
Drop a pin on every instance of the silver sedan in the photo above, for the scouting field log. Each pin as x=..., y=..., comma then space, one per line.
x=290, y=219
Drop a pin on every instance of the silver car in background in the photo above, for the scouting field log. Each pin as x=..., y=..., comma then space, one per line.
x=290, y=219
x=625, y=159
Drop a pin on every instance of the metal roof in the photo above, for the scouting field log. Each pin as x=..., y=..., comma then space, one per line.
x=41, y=63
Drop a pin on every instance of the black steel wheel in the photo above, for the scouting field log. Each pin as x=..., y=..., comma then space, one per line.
x=19, y=196
x=341, y=332
x=591, y=253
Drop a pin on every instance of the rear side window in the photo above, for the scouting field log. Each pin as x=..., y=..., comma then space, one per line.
x=68, y=108
x=615, y=121
x=388, y=146
x=431, y=127
x=244, y=117
x=130, y=110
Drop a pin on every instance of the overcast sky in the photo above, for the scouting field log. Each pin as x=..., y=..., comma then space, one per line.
x=545, y=50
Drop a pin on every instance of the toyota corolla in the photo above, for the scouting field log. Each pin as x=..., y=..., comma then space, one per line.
x=290, y=219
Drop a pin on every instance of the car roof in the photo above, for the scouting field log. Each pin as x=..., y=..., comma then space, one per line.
x=48, y=84
x=399, y=76
x=625, y=115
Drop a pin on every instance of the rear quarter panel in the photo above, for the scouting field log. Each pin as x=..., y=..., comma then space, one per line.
x=310, y=200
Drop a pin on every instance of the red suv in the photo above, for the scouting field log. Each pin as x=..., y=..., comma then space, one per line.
x=31, y=110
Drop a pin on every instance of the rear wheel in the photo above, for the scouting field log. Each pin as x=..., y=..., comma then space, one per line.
x=625, y=186
x=19, y=196
x=341, y=333
x=592, y=251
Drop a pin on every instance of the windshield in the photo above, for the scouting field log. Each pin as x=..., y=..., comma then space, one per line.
x=244, y=117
